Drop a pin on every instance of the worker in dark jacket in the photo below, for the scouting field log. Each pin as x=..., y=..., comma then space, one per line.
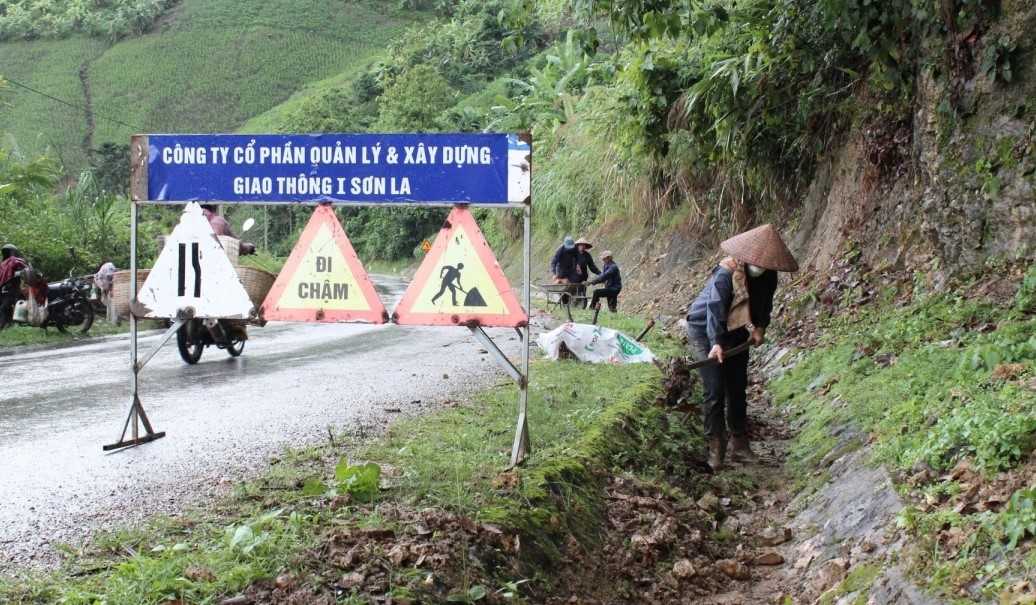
x=734, y=308
x=612, y=281
x=572, y=264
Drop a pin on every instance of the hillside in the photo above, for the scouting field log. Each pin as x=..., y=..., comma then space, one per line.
x=202, y=67
x=890, y=142
x=948, y=192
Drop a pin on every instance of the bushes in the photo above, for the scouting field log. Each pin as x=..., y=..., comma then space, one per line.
x=75, y=231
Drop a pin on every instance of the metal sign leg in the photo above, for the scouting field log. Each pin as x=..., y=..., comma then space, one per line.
x=136, y=416
x=521, y=449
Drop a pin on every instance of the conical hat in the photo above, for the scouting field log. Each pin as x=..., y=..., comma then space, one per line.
x=761, y=247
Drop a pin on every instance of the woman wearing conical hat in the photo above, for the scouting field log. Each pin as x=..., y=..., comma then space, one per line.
x=572, y=264
x=734, y=308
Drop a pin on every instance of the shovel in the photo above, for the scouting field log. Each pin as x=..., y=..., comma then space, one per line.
x=731, y=352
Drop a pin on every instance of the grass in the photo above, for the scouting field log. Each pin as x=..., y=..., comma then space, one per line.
x=44, y=125
x=18, y=335
x=923, y=383
x=946, y=380
x=579, y=417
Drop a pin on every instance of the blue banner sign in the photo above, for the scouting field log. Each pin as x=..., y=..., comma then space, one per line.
x=339, y=168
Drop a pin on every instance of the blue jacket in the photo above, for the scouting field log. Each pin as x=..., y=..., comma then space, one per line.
x=707, y=317
x=610, y=277
x=565, y=261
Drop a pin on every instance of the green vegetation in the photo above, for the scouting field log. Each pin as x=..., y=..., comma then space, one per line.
x=19, y=335
x=25, y=20
x=217, y=67
x=208, y=67
x=725, y=107
x=944, y=390
x=702, y=115
x=71, y=231
x=449, y=461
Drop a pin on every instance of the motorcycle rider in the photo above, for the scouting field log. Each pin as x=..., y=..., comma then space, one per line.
x=220, y=226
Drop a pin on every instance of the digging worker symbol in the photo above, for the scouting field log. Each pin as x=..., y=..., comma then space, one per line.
x=450, y=277
x=451, y=280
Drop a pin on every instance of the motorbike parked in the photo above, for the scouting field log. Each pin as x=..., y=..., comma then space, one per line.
x=67, y=306
x=227, y=334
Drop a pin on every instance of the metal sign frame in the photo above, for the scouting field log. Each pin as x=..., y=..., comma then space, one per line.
x=515, y=169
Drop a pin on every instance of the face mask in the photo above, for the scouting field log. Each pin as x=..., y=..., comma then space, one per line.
x=753, y=270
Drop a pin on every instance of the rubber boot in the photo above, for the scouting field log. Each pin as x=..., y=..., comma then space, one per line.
x=717, y=451
x=741, y=452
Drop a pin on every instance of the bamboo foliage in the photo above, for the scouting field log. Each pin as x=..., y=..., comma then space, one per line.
x=549, y=97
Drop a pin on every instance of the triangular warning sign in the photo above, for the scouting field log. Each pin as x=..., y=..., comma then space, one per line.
x=460, y=282
x=193, y=271
x=323, y=279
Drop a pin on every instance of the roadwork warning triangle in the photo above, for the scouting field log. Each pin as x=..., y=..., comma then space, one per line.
x=323, y=280
x=460, y=282
x=193, y=272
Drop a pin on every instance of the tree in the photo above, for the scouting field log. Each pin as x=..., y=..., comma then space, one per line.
x=111, y=168
x=414, y=102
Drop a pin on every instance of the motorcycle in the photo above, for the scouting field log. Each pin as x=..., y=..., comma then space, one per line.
x=227, y=334
x=67, y=306
x=197, y=333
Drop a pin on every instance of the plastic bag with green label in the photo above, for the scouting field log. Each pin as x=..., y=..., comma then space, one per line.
x=594, y=344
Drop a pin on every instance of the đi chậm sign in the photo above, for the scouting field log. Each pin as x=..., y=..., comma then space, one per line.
x=480, y=169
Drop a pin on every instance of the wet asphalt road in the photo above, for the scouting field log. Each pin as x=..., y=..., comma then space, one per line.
x=224, y=418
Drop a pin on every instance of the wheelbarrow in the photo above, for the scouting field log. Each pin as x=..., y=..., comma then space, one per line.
x=556, y=296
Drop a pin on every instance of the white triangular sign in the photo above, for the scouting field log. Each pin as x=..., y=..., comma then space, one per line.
x=193, y=271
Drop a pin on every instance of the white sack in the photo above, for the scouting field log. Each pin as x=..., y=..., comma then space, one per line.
x=594, y=344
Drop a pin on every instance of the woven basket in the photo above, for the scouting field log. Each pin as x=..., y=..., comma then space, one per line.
x=231, y=245
x=120, y=296
x=257, y=283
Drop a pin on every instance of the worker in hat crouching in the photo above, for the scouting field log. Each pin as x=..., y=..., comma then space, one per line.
x=612, y=281
x=734, y=308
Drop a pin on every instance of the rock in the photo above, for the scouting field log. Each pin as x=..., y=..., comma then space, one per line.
x=710, y=503
x=684, y=569
x=1021, y=593
x=734, y=570
x=199, y=574
x=286, y=581
x=731, y=524
x=773, y=536
x=769, y=558
x=830, y=573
